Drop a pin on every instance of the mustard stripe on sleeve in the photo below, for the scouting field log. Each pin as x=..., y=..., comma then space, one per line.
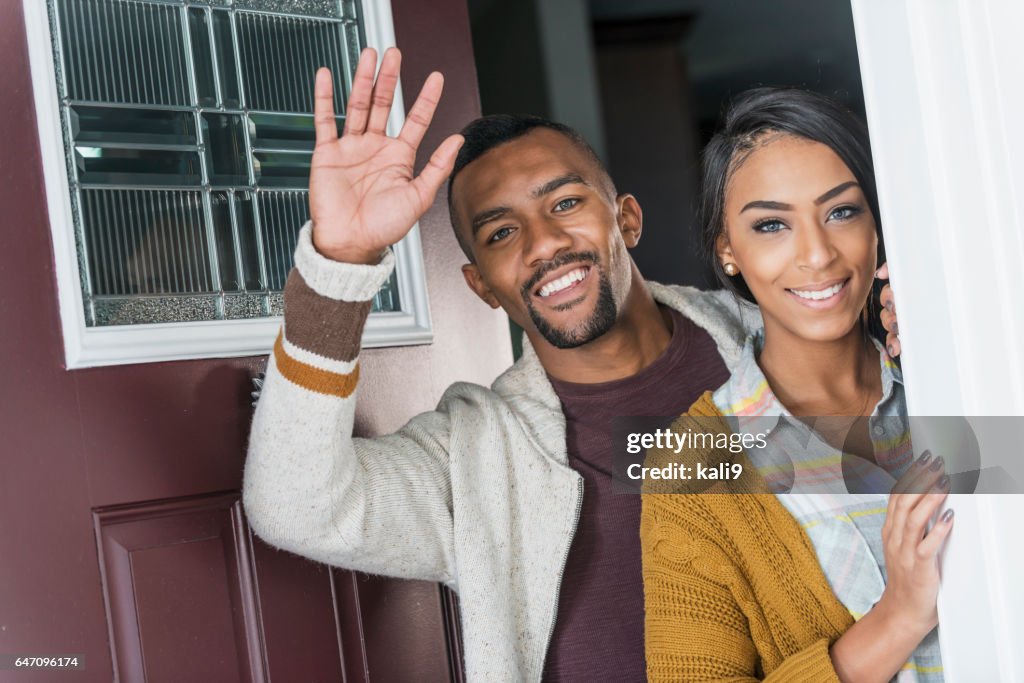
x=313, y=378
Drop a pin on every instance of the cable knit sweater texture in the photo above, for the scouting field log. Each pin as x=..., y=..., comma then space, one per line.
x=732, y=586
x=476, y=494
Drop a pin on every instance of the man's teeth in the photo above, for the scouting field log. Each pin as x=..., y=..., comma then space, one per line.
x=563, y=282
x=820, y=294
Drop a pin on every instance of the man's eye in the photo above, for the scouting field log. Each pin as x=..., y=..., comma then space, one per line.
x=769, y=226
x=844, y=213
x=499, y=234
x=566, y=204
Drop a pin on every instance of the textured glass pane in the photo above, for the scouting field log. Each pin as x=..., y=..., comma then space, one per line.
x=134, y=126
x=239, y=306
x=315, y=8
x=280, y=57
x=282, y=169
x=128, y=166
x=225, y=149
x=124, y=52
x=145, y=242
x=202, y=56
x=283, y=213
x=248, y=243
x=282, y=132
x=227, y=64
x=165, y=309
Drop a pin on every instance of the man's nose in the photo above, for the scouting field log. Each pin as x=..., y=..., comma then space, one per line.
x=545, y=239
x=814, y=247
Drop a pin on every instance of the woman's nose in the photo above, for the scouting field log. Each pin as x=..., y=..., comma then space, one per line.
x=814, y=248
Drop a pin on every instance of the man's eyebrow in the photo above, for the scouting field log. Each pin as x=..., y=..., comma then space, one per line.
x=835, y=191
x=763, y=204
x=552, y=185
x=485, y=217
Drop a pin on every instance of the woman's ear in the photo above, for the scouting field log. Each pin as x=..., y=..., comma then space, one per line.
x=630, y=218
x=722, y=249
x=476, y=282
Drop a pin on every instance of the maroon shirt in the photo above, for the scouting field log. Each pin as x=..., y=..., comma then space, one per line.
x=599, y=630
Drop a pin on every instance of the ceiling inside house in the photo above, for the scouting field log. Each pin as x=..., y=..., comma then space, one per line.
x=733, y=45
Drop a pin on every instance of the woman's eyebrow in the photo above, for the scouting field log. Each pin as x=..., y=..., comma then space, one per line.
x=835, y=191
x=782, y=206
x=763, y=204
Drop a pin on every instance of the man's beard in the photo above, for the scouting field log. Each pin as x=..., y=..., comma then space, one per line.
x=599, y=322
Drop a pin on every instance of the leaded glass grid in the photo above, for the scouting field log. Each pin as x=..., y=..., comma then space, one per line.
x=188, y=130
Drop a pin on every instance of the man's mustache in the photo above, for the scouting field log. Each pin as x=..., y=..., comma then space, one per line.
x=584, y=257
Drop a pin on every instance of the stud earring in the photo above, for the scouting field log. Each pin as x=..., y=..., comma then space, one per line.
x=731, y=269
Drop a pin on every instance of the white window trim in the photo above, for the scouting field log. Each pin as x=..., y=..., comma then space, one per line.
x=115, y=345
x=942, y=90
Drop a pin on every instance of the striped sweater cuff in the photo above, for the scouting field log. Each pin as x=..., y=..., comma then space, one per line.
x=340, y=281
x=320, y=340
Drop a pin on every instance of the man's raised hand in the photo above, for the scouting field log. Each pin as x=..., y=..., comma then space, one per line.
x=363, y=196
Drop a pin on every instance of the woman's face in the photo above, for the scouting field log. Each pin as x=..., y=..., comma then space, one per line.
x=798, y=227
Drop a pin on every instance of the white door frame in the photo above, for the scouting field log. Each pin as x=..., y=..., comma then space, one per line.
x=942, y=87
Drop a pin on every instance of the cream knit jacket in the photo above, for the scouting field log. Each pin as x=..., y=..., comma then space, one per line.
x=476, y=494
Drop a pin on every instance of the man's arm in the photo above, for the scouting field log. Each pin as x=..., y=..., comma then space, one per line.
x=378, y=505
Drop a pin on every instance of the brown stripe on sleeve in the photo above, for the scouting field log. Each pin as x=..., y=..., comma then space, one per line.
x=327, y=327
x=313, y=378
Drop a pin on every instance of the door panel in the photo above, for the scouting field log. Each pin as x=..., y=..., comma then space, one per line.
x=177, y=579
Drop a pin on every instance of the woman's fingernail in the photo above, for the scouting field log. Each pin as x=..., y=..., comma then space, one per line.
x=895, y=328
x=888, y=305
x=925, y=457
x=947, y=516
x=891, y=350
x=937, y=465
x=942, y=483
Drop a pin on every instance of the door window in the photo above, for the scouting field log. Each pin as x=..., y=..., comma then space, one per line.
x=186, y=135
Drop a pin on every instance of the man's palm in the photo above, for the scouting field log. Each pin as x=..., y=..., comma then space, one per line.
x=363, y=195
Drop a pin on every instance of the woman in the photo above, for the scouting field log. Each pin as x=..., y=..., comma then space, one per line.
x=798, y=587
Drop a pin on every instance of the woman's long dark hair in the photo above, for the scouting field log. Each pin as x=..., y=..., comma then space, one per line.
x=760, y=112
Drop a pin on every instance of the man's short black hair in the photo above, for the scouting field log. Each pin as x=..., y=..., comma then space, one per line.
x=487, y=132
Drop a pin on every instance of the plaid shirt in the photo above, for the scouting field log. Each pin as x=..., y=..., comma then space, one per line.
x=813, y=479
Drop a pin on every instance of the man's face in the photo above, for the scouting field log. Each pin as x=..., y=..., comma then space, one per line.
x=549, y=241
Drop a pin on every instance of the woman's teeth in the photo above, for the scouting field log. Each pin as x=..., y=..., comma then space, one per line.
x=563, y=282
x=820, y=294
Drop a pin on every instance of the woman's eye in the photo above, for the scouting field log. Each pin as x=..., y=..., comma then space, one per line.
x=769, y=226
x=500, y=234
x=843, y=213
x=566, y=204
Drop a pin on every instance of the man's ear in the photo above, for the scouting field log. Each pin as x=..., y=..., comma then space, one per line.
x=476, y=282
x=722, y=249
x=631, y=219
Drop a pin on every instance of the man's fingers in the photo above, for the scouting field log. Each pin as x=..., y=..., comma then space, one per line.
x=437, y=169
x=358, y=111
x=323, y=107
x=384, y=91
x=422, y=111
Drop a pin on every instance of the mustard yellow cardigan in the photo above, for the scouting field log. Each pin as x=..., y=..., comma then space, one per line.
x=732, y=585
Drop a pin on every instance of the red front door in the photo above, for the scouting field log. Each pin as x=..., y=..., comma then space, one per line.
x=122, y=538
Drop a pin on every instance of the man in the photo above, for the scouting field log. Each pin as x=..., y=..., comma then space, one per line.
x=502, y=493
